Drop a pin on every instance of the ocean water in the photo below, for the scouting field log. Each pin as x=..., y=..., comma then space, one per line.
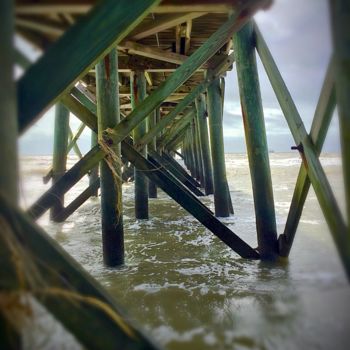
x=187, y=290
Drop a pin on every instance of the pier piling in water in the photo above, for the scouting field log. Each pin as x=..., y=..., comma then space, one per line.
x=108, y=116
x=204, y=143
x=221, y=198
x=60, y=147
x=255, y=135
x=138, y=94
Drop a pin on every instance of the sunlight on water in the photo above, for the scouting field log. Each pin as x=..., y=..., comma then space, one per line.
x=189, y=291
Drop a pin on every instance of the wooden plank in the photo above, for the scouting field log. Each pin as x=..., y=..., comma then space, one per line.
x=84, y=43
x=308, y=152
x=69, y=293
x=256, y=142
x=42, y=26
x=190, y=203
x=162, y=23
x=133, y=48
x=322, y=118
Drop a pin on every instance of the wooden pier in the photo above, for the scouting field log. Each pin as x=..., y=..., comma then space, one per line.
x=147, y=78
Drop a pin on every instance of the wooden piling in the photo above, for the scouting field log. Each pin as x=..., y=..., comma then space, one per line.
x=94, y=172
x=111, y=185
x=152, y=188
x=204, y=144
x=256, y=142
x=221, y=199
x=8, y=112
x=340, y=14
x=138, y=94
x=8, y=141
x=60, y=147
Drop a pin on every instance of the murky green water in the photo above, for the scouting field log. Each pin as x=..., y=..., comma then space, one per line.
x=189, y=291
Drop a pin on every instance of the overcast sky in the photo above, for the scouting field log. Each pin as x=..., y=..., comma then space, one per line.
x=298, y=35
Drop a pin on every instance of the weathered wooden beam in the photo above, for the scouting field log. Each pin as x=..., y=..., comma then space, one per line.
x=94, y=172
x=196, y=173
x=169, y=6
x=179, y=169
x=69, y=293
x=41, y=26
x=73, y=144
x=174, y=144
x=152, y=146
x=162, y=23
x=78, y=201
x=256, y=142
x=66, y=182
x=308, y=153
x=340, y=14
x=8, y=113
x=21, y=59
x=84, y=43
x=322, y=118
x=59, y=153
x=133, y=48
x=138, y=87
x=178, y=174
x=75, y=138
x=10, y=337
x=111, y=184
x=178, y=126
x=221, y=199
x=190, y=203
x=189, y=98
x=199, y=152
x=204, y=143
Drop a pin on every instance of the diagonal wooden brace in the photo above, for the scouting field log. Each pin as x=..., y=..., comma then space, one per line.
x=308, y=153
x=319, y=128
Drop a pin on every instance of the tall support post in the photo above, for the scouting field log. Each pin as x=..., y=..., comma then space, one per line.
x=199, y=153
x=8, y=110
x=108, y=116
x=256, y=142
x=340, y=12
x=60, y=147
x=94, y=172
x=8, y=139
x=204, y=143
x=138, y=94
x=152, y=188
x=194, y=151
x=221, y=198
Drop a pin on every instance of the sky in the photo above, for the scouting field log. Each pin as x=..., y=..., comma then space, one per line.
x=298, y=35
